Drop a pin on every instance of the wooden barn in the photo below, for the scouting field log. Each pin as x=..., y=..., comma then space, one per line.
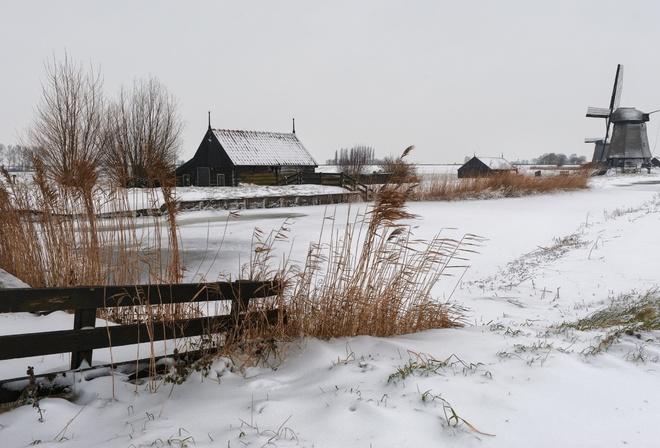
x=485, y=166
x=228, y=157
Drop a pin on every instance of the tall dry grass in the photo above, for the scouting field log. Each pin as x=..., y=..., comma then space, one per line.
x=442, y=187
x=375, y=278
x=85, y=233
x=53, y=236
x=370, y=276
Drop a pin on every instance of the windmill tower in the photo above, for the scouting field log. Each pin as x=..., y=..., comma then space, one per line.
x=629, y=146
x=600, y=149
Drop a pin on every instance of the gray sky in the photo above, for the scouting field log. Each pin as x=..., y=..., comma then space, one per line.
x=451, y=77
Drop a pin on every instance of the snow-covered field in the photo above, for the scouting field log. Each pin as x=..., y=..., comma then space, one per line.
x=512, y=372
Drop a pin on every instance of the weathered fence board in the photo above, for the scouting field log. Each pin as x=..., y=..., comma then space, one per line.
x=61, y=299
x=62, y=341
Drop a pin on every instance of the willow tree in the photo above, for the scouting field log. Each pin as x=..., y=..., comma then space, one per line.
x=144, y=135
x=68, y=134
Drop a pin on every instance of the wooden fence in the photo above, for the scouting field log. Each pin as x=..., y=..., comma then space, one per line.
x=330, y=179
x=85, y=301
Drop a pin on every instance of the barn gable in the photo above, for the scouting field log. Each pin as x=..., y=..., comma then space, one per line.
x=484, y=166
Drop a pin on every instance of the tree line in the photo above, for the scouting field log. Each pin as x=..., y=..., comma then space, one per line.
x=353, y=160
x=79, y=134
x=15, y=157
x=557, y=159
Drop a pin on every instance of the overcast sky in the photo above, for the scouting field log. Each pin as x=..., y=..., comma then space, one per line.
x=452, y=77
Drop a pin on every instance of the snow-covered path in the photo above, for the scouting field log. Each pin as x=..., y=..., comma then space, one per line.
x=513, y=372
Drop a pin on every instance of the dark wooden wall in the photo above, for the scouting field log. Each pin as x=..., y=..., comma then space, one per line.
x=209, y=154
x=473, y=168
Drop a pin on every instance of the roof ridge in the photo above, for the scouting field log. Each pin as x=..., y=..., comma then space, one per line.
x=254, y=132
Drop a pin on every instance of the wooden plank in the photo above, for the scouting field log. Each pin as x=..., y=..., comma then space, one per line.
x=34, y=344
x=54, y=342
x=60, y=299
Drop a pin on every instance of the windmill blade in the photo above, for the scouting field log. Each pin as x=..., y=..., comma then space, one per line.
x=616, y=90
x=616, y=97
x=598, y=112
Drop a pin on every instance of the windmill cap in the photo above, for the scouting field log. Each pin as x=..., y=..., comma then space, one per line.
x=629, y=115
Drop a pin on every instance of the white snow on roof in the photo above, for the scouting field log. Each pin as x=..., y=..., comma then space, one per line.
x=496, y=163
x=263, y=148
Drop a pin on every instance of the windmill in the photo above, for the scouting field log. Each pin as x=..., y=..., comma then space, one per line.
x=628, y=148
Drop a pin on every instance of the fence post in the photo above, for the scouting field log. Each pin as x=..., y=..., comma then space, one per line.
x=239, y=305
x=83, y=319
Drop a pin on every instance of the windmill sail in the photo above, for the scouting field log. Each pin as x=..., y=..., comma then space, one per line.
x=616, y=98
x=616, y=90
x=598, y=112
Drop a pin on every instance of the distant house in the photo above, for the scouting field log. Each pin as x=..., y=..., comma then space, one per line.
x=226, y=157
x=485, y=166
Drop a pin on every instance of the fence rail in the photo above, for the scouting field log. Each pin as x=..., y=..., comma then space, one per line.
x=85, y=301
x=330, y=179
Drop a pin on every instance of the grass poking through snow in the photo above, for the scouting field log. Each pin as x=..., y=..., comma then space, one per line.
x=626, y=315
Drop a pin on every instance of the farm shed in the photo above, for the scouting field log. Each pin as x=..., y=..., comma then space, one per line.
x=485, y=166
x=227, y=157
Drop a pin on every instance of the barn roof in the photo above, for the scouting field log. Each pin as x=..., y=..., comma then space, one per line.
x=255, y=148
x=496, y=163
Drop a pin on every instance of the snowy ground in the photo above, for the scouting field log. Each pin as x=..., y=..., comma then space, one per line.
x=512, y=372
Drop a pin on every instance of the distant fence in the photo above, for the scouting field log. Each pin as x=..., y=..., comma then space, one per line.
x=85, y=301
x=330, y=179
x=247, y=203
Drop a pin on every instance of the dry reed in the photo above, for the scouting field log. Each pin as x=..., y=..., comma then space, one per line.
x=372, y=278
x=375, y=278
x=54, y=235
x=448, y=188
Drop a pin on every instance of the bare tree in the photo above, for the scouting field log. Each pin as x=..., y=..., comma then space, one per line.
x=19, y=157
x=352, y=161
x=68, y=132
x=144, y=135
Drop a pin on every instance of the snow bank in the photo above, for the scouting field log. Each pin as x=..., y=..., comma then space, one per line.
x=9, y=281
